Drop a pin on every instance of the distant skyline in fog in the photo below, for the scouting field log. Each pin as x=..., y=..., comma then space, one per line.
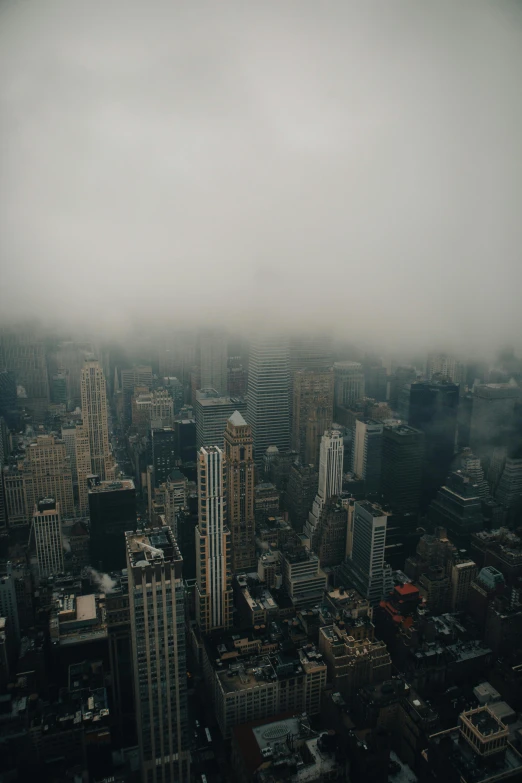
x=345, y=164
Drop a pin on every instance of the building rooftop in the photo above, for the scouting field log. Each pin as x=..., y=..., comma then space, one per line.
x=112, y=486
x=146, y=547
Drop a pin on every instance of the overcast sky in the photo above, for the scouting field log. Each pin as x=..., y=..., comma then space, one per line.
x=356, y=164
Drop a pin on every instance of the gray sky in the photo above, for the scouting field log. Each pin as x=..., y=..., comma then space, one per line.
x=356, y=164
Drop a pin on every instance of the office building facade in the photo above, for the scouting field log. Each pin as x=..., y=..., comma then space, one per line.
x=112, y=511
x=367, y=453
x=240, y=492
x=23, y=353
x=366, y=568
x=212, y=412
x=268, y=404
x=348, y=385
x=95, y=418
x=312, y=412
x=213, y=360
x=47, y=532
x=213, y=544
x=402, y=461
x=157, y=619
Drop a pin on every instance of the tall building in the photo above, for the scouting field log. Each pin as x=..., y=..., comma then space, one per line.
x=366, y=567
x=240, y=492
x=301, y=490
x=492, y=417
x=95, y=418
x=331, y=465
x=164, y=453
x=433, y=409
x=375, y=379
x=348, y=385
x=83, y=466
x=47, y=463
x=139, y=375
x=268, y=403
x=112, y=511
x=330, y=476
x=213, y=544
x=151, y=406
x=237, y=377
x=457, y=508
x=367, y=453
x=8, y=399
x=312, y=412
x=47, y=532
x=402, y=459
x=212, y=412
x=443, y=366
x=157, y=618
x=23, y=353
x=509, y=487
x=213, y=359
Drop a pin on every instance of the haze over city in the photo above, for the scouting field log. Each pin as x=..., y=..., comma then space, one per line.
x=351, y=165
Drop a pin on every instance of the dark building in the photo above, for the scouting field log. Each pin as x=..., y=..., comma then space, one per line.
x=400, y=377
x=187, y=440
x=300, y=493
x=375, y=379
x=8, y=406
x=164, y=453
x=458, y=508
x=433, y=409
x=402, y=455
x=112, y=510
x=493, y=417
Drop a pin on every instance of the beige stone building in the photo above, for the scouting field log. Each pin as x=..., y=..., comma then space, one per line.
x=240, y=492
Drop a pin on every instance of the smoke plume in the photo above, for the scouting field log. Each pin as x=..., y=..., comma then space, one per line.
x=105, y=582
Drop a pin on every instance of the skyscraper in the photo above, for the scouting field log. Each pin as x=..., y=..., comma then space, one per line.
x=268, y=405
x=444, y=366
x=157, y=617
x=47, y=532
x=213, y=543
x=366, y=567
x=348, y=384
x=49, y=467
x=112, y=510
x=165, y=453
x=213, y=360
x=492, y=417
x=330, y=476
x=94, y=412
x=367, y=453
x=23, y=352
x=312, y=412
x=8, y=400
x=433, y=409
x=139, y=375
x=402, y=455
x=331, y=465
x=212, y=412
x=240, y=492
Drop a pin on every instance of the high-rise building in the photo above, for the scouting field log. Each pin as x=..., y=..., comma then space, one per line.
x=330, y=476
x=83, y=466
x=443, y=366
x=94, y=412
x=212, y=412
x=268, y=403
x=331, y=465
x=433, y=409
x=367, y=453
x=348, y=385
x=8, y=399
x=237, y=377
x=213, y=359
x=112, y=510
x=366, y=567
x=400, y=377
x=402, y=457
x=8, y=602
x=375, y=379
x=49, y=466
x=492, y=417
x=240, y=492
x=139, y=375
x=47, y=532
x=457, y=508
x=312, y=412
x=23, y=353
x=164, y=453
x=157, y=619
x=213, y=543
x=156, y=406
x=509, y=487
x=301, y=490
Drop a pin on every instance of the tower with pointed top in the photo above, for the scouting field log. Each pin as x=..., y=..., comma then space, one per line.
x=240, y=491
